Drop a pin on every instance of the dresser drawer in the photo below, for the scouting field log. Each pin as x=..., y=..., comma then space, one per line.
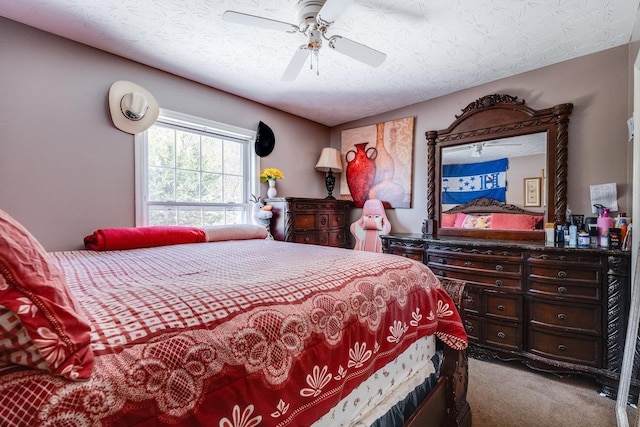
x=409, y=248
x=318, y=220
x=337, y=238
x=471, y=300
x=473, y=328
x=564, y=258
x=334, y=219
x=579, y=349
x=593, y=275
x=506, y=336
x=503, y=306
x=305, y=221
x=566, y=289
x=505, y=254
x=408, y=253
x=583, y=319
x=476, y=263
x=504, y=280
x=312, y=238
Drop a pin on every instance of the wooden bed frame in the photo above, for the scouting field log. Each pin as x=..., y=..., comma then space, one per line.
x=447, y=404
x=486, y=206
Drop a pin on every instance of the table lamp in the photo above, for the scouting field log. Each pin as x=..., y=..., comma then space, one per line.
x=329, y=162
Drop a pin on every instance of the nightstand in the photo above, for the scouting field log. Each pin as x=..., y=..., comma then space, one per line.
x=313, y=221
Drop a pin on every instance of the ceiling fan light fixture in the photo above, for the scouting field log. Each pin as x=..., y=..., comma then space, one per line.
x=314, y=18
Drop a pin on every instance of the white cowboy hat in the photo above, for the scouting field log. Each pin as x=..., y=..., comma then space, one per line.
x=133, y=108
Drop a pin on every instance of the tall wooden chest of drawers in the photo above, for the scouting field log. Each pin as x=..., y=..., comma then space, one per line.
x=313, y=221
x=557, y=309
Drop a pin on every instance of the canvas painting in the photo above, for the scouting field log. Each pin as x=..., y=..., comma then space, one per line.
x=378, y=162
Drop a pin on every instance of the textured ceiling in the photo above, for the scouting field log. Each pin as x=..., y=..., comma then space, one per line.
x=433, y=47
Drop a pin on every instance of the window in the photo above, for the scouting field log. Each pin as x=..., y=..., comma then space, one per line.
x=191, y=171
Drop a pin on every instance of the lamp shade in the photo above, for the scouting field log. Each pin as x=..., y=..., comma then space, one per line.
x=329, y=160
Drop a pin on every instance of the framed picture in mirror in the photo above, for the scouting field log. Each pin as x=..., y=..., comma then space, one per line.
x=532, y=195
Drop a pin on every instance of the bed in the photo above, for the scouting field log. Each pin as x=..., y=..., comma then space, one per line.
x=230, y=330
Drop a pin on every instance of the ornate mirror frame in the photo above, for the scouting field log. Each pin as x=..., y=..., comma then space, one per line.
x=494, y=117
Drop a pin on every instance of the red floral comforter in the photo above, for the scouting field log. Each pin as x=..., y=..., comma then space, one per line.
x=230, y=334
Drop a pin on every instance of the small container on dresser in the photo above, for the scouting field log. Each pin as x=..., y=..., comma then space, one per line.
x=313, y=221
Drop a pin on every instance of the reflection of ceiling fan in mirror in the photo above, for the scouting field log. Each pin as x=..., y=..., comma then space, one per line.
x=476, y=149
x=314, y=19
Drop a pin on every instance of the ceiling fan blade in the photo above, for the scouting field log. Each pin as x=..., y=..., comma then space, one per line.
x=331, y=10
x=357, y=51
x=258, y=21
x=294, y=67
x=501, y=144
x=458, y=148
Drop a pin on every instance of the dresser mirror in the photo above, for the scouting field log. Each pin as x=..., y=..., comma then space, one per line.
x=529, y=149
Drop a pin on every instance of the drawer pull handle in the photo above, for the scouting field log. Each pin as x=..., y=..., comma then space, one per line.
x=468, y=302
x=502, y=335
x=562, y=347
x=562, y=289
x=404, y=254
x=468, y=264
x=468, y=326
x=306, y=240
x=499, y=282
x=561, y=316
x=501, y=307
x=441, y=260
x=442, y=274
x=562, y=274
x=499, y=267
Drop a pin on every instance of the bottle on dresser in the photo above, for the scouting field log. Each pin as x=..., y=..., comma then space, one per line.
x=604, y=223
x=573, y=235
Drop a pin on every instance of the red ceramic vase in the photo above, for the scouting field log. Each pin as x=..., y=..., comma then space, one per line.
x=361, y=171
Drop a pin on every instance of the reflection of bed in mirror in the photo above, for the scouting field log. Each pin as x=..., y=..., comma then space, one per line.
x=489, y=214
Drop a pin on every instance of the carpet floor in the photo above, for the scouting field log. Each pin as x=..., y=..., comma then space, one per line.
x=505, y=394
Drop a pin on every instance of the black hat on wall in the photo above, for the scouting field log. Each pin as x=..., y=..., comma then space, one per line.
x=265, y=141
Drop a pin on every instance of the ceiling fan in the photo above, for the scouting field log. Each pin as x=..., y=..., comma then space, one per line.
x=314, y=19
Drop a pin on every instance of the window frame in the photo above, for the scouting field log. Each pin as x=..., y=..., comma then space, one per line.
x=198, y=125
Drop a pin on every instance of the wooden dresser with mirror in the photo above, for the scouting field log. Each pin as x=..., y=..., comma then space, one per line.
x=556, y=309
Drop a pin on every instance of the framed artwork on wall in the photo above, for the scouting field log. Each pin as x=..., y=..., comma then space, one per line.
x=532, y=192
x=378, y=162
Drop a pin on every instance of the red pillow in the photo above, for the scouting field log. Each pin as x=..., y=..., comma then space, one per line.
x=34, y=298
x=504, y=221
x=111, y=239
x=449, y=219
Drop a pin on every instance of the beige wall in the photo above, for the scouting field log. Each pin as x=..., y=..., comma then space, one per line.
x=598, y=86
x=65, y=170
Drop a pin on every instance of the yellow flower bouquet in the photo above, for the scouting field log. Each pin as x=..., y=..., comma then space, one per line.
x=270, y=173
